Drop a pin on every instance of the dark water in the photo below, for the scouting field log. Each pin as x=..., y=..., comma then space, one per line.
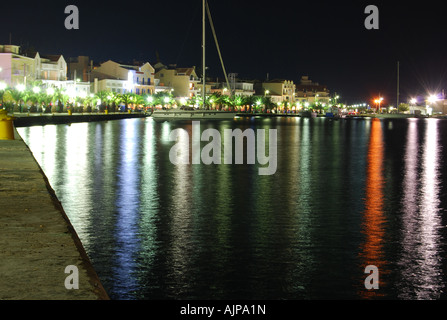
x=346, y=194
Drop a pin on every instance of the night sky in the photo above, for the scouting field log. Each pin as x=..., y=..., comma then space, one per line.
x=325, y=40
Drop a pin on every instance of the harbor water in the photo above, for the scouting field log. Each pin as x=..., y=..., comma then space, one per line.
x=346, y=194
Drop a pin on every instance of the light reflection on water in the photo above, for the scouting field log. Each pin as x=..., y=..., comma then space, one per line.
x=422, y=254
x=342, y=198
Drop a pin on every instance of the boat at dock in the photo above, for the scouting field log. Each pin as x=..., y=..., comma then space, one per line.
x=204, y=112
x=176, y=114
x=308, y=114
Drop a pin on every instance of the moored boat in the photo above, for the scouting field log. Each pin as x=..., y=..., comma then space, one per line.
x=175, y=114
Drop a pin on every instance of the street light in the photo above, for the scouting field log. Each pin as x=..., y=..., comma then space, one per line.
x=378, y=101
x=432, y=98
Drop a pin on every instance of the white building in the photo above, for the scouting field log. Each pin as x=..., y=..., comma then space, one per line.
x=48, y=70
x=120, y=78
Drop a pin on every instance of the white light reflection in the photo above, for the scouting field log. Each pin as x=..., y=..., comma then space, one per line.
x=150, y=198
x=181, y=215
x=420, y=261
x=75, y=189
x=430, y=218
x=127, y=205
x=304, y=216
x=42, y=143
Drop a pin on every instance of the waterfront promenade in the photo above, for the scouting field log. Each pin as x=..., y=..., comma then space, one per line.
x=37, y=241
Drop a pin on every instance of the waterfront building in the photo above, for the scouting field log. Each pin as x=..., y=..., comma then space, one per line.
x=16, y=68
x=432, y=107
x=161, y=87
x=79, y=68
x=183, y=82
x=236, y=87
x=35, y=69
x=279, y=90
x=121, y=78
x=311, y=92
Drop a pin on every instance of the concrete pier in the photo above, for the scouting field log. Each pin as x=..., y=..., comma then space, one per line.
x=37, y=240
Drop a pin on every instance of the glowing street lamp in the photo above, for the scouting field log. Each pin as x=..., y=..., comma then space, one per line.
x=166, y=100
x=378, y=101
x=20, y=87
x=432, y=98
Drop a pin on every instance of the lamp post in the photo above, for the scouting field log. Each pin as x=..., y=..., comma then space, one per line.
x=379, y=101
x=20, y=87
x=431, y=100
x=166, y=100
x=413, y=102
x=336, y=98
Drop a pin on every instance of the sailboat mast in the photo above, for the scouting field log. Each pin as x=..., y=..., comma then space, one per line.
x=217, y=46
x=397, y=102
x=203, y=54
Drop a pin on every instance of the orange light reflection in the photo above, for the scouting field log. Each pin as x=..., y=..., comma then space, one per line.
x=371, y=251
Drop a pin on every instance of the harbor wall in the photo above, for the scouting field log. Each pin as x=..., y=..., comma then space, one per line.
x=37, y=240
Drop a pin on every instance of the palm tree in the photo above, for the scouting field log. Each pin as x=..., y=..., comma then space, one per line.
x=2, y=91
x=250, y=101
x=47, y=99
x=126, y=99
x=235, y=102
x=17, y=96
x=268, y=104
x=140, y=100
x=61, y=99
x=101, y=97
x=162, y=98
